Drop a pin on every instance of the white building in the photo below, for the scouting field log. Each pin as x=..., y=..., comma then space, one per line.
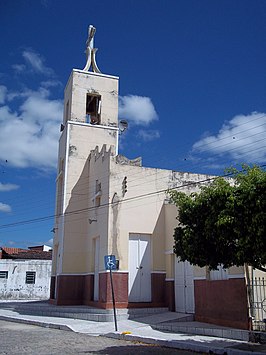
x=25, y=274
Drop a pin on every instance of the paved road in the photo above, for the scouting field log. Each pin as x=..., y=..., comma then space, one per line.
x=17, y=338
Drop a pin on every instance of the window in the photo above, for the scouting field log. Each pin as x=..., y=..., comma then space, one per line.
x=3, y=274
x=30, y=277
x=93, y=109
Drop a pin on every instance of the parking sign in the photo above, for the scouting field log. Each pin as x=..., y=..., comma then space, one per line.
x=110, y=262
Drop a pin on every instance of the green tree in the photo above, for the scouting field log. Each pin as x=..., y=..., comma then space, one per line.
x=225, y=222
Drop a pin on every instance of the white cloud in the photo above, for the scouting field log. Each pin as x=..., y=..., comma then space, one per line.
x=148, y=135
x=242, y=139
x=36, y=62
x=8, y=187
x=19, y=68
x=4, y=207
x=29, y=137
x=137, y=109
x=51, y=83
x=3, y=92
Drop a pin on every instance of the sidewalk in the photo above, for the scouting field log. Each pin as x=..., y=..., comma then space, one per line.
x=143, y=330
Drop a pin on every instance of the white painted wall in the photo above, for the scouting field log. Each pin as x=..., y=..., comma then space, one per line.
x=15, y=287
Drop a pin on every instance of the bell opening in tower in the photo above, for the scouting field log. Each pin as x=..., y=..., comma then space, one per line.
x=93, y=109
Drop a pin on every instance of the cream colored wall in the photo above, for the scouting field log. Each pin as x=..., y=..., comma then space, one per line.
x=236, y=271
x=83, y=139
x=232, y=272
x=68, y=99
x=77, y=140
x=170, y=266
x=105, y=85
x=136, y=215
x=99, y=170
x=200, y=272
x=170, y=224
x=132, y=213
x=58, y=232
x=158, y=243
x=170, y=212
x=147, y=214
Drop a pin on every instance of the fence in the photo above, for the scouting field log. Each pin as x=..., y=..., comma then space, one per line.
x=258, y=303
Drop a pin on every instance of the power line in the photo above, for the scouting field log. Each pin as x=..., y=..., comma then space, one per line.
x=207, y=145
x=41, y=219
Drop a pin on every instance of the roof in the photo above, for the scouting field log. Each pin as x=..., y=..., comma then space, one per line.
x=18, y=253
x=42, y=247
x=9, y=250
x=32, y=254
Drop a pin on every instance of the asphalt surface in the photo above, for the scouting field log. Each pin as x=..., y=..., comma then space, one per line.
x=18, y=338
x=133, y=336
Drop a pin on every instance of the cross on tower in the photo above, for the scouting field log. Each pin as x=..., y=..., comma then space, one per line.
x=90, y=51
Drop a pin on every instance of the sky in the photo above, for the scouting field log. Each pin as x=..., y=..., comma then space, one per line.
x=192, y=88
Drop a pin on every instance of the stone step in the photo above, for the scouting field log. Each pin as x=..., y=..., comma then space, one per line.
x=203, y=329
x=81, y=312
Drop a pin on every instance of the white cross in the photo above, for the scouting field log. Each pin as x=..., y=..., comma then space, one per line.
x=90, y=51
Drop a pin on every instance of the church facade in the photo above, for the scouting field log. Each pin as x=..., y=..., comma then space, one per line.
x=107, y=204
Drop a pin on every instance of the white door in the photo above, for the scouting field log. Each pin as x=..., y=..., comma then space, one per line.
x=139, y=268
x=184, y=287
x=96, y=268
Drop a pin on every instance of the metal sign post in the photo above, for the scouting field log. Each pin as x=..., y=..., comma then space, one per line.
x=113, y=297
x=110, y=264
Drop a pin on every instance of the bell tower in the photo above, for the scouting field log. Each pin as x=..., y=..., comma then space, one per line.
x=91, y=100
x=90, y=120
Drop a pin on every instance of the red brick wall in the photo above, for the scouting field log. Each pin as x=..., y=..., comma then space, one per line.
x=158, y=287
x=70, y=289
x=88, y=291
x=170, y=294
x=79, y=289
x=120, y=283
x=222, y=302
x=52, y=287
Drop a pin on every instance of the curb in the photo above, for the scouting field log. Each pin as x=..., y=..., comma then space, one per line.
x=176, y=344
x=36, y=322
x=231, y=334
x=207, y=349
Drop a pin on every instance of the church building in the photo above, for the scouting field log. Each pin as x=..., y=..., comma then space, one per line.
x=107, y=204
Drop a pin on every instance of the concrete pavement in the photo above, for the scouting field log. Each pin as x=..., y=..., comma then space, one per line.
x=144, y=330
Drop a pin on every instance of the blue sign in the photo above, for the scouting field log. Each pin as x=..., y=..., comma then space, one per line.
x=110, y=262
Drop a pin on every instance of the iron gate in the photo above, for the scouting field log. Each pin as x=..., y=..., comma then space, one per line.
x=258, y=303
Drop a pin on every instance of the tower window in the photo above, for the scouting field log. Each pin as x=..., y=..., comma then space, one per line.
x=93, y=109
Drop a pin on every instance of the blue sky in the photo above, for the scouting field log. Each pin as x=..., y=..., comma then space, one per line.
x=192, y=87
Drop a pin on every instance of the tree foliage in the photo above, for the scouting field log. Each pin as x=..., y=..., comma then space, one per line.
x=225, y=222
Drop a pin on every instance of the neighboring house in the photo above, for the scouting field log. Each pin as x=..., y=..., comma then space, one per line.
x=25, y=273
x=107, y=204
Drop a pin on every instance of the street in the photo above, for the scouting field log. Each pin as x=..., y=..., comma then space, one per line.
x=18, y=338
